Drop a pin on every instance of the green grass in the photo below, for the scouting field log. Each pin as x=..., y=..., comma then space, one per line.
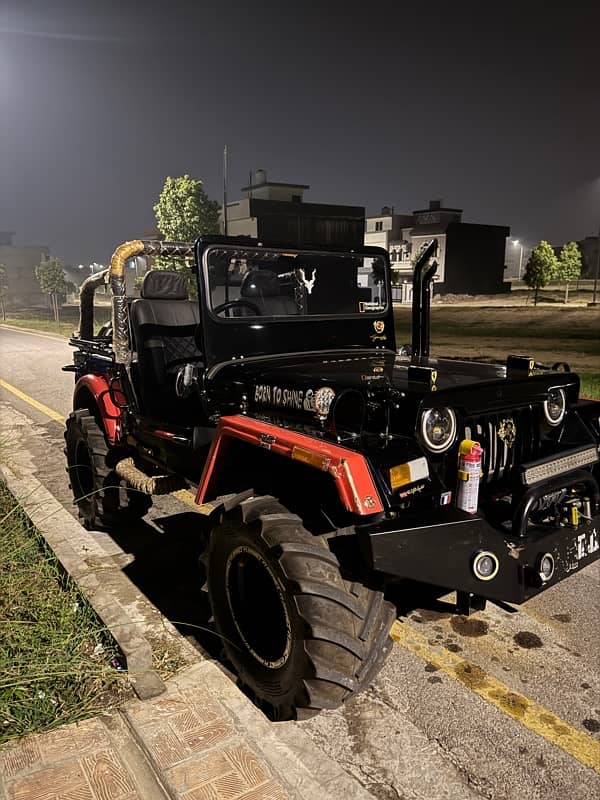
x=68, y=323
x=55, y=653
x=47, y=326
x=590, y=385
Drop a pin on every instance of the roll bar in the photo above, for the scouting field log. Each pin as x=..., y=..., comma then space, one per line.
x=115, y=277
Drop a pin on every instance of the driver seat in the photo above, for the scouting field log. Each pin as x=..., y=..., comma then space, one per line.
x=262, y=287
x=163, y=327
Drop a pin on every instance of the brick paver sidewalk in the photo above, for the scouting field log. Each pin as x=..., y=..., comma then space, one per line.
x=200, y=740
x=183, y=744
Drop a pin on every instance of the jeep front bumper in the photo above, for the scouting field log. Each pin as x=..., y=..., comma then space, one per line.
x=441, y=546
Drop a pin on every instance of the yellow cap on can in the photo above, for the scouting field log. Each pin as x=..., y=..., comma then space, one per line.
x=466, y=447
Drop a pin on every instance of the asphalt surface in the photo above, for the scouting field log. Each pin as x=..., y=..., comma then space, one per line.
x=423, y=730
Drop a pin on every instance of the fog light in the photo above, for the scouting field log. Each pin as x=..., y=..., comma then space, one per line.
x=485, y=566
x=546, y=569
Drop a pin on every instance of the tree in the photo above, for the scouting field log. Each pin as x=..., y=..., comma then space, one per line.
x=184, y=212
x=541, y=267
x=51, y=276
x=3, y=289
x=569, y=265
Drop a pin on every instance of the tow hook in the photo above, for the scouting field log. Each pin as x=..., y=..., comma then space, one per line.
x=467, y=602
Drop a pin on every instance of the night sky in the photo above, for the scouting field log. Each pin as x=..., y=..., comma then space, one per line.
x=494, y=107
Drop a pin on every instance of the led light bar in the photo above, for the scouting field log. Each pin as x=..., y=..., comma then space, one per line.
x=541, y=471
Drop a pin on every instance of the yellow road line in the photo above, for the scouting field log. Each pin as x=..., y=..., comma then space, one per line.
x=530, y=714
x=56, y=337
x=49, y=412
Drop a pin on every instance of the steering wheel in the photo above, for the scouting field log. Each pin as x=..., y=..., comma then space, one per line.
x=237, y=304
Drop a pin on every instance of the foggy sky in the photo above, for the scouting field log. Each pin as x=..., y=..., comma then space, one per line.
x=493, y=107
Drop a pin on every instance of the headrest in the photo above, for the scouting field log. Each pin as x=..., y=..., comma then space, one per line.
x=163, y=284
x=260, y=283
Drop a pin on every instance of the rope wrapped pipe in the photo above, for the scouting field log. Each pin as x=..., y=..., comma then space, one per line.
x=159, y=484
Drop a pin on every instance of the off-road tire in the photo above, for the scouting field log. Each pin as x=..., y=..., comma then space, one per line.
x=299, y=636
x=103, y=499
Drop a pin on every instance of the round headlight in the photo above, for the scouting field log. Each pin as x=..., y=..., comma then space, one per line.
x=438, y=428
x=555, y=406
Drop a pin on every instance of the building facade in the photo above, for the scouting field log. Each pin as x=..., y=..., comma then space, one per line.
x=471, y=257
x=23, y=288
x=276, y=213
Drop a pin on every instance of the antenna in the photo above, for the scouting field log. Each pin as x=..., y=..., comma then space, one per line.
x=225, y=190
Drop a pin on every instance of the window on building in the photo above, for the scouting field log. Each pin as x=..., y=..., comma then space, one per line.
x=379, y=225
x=296, y=198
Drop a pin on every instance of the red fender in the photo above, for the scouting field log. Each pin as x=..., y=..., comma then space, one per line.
x=348, y=468
x=110, y=413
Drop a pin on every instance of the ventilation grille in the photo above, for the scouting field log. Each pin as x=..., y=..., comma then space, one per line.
x=493, y=432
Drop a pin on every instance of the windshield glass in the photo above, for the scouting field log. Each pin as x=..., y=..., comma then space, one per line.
x=261, y=282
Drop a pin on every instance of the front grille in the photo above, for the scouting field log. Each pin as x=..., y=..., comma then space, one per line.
x=499, y=457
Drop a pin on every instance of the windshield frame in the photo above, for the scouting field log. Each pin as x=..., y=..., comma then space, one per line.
x=256, y=248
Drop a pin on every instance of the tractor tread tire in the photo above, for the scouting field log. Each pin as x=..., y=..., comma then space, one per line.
x=344, y=626
x=109, y=501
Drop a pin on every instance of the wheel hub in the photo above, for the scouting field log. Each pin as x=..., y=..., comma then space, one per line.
x=258, y=608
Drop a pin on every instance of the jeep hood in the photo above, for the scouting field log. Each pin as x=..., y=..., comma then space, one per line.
x=282, y=381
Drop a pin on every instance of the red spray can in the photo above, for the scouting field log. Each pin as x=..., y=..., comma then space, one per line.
x=469, y=475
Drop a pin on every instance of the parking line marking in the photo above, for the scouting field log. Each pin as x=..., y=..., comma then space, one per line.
x=49, y=412
x=530, y=714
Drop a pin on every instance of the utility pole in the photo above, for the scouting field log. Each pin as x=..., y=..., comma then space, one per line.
x=520, y=262
x=517, y=243
x=225, y=190
x=597, y=275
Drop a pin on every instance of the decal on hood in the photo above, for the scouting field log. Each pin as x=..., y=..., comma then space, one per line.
x=282, y=397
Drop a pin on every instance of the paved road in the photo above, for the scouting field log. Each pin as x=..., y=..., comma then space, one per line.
x=501, y=705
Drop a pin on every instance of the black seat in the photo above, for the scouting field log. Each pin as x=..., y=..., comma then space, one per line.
x=163, y=325
x=262, y=287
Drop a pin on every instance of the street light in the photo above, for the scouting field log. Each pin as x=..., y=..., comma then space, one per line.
x=517, y=243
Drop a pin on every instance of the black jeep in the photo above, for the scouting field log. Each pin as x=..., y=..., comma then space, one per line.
x=326, y=464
